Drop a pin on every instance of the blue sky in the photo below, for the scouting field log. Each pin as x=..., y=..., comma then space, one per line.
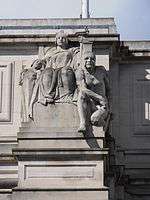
x=132, y=16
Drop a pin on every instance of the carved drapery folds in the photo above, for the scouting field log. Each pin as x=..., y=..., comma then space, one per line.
x=64, y=75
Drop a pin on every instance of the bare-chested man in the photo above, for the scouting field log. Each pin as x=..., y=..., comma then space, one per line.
x=92, y=84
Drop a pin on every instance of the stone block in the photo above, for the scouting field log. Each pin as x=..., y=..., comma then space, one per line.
x=55, y=115
x=101, y=194
x=78, y=143
x=61, y=174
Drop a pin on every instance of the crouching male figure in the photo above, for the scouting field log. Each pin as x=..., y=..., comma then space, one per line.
x=93, y=87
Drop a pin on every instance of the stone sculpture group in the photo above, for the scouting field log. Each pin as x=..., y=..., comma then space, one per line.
x=64, y=75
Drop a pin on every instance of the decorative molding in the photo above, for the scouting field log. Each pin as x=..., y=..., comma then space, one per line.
x=59, y=171
x=6, y=73
x=56, y=27
x=62, y=174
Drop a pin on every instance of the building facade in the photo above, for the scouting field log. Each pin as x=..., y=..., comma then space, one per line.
x=46, y=157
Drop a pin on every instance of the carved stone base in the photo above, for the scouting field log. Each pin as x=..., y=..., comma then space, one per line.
x=59, y=172
x=60, y=115
x=57, y=162
x=48, y=194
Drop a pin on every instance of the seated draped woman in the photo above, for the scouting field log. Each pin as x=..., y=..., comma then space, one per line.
x=55, y=80
x=93, y=88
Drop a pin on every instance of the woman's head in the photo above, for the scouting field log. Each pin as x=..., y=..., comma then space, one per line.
x=61, y=39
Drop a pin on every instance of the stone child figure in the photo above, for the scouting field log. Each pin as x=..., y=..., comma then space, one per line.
x=92, y=84
x=28, y=79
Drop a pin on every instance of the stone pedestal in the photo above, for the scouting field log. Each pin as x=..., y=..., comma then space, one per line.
x=55, y=161
x=60, y=194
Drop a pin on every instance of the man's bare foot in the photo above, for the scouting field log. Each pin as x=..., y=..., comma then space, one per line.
x=95, y=117
x=82, y=128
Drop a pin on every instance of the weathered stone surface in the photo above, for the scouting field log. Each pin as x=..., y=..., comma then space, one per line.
x=5, y=195
x=55, y=116
x=65, y=195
